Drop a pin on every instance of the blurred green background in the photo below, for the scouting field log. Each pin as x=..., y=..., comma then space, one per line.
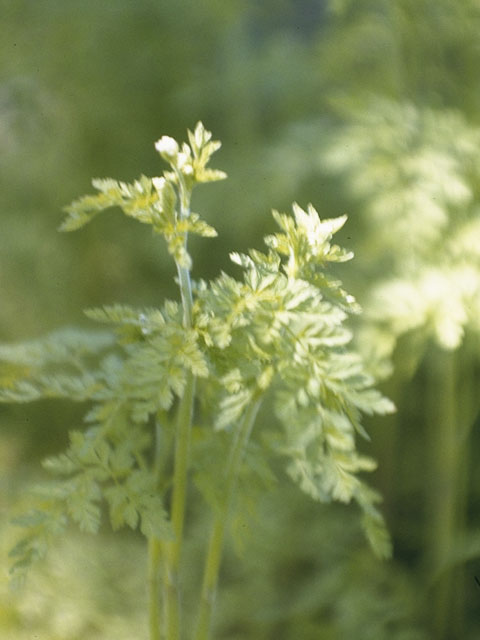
x=367, y=108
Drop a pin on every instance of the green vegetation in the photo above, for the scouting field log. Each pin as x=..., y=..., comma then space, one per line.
x=277, y=332
x=365, y=109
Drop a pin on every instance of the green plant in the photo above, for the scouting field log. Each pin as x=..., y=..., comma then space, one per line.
x=414, y=172
x=175, y=392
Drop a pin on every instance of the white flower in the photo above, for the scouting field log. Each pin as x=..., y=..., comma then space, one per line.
x=158, y=183
x=184, y=163
x=167, y=147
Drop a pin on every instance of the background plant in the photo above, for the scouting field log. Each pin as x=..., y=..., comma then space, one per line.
x=428, y=161
x=404, y=144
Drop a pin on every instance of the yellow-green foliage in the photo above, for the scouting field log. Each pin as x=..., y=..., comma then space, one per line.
x=276, y=332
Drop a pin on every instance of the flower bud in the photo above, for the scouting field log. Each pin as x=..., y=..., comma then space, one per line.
x=184, y=163
x=158, y=183
x=167, y=147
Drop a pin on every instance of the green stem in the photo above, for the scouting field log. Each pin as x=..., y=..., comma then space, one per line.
x=186, y=294
x=154, y=586
x=174, y=549
x=443, y=488
x=214, y=555
x=155, y=552
x=181, y=464
x=467, y=410
x=181, y=458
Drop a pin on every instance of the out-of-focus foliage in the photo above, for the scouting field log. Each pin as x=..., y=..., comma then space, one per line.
x=307, y=578
x=416, y=174
x=338, y=590
x=102, y=593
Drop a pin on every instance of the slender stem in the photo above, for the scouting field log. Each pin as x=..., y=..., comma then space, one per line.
x=184, y=281
x=445, y=450
x=174, y=549
x=214, y=554
x=171, y=599
x=186, y=294
x=154, y=586
x=181, y=465
x=467, y=403
x=155, y=552
x=181, y=458
x=157, y=465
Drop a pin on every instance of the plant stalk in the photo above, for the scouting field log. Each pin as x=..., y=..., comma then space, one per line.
x=154, y=586
x=186, y=294
x=155, y=553
x=173, y=550
x=445, y=447
x=215, y=547
x=467, y=405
